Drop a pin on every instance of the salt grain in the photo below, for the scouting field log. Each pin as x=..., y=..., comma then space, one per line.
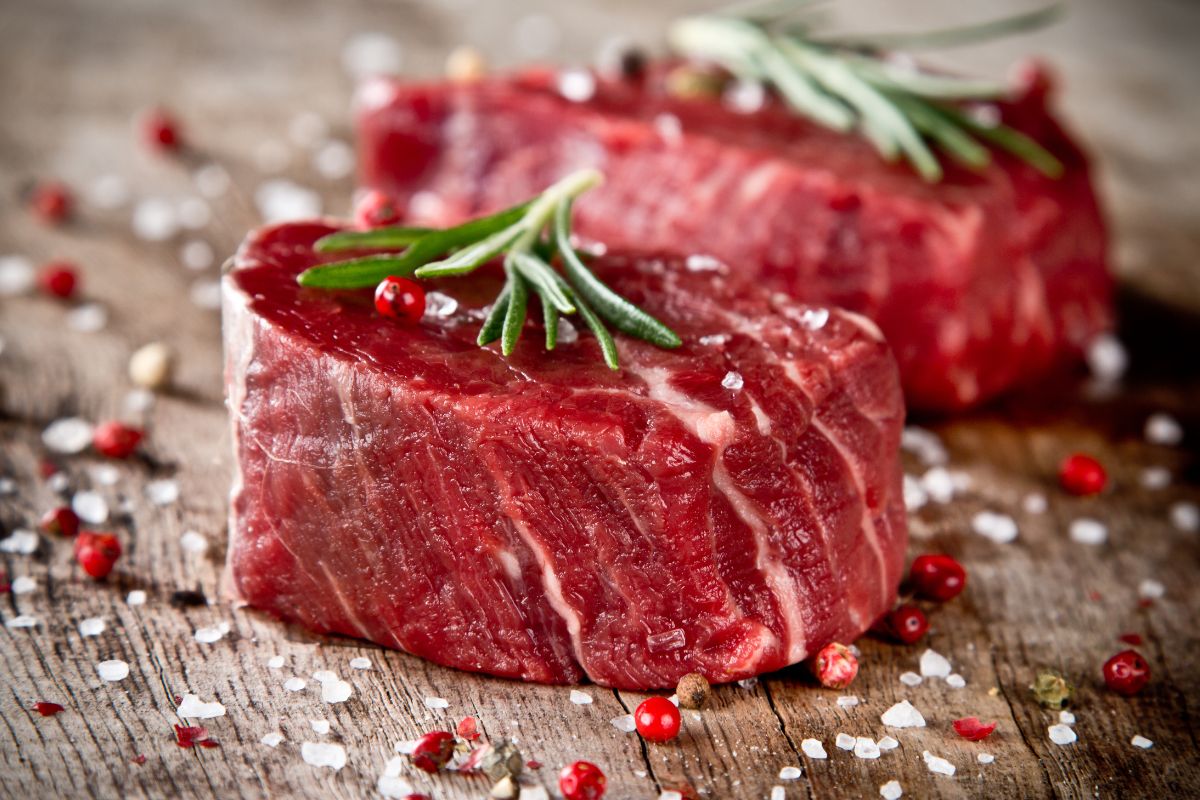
x=337, y=691
x=814, y=319
x=440, y=306
x=745, y=96
x=114, y=670
x=910, y=679
x=699, y=262
x=865, y=747
x=891, y=790
x=624, y=723
x=368, y=54
x=136, y=598
x=212, y=634
x=275, y=662
x=334, y=160
x=17, y=276
x=1142, y=742
x=576, y=85
x=197, y=254
x=68, y=436
x=162, y=492
x=934, y=665
x=320, y=726
x=844, y=741
x=937, y=764
x=1066, y=717
x=924, y=444
x=390, y=783
x=670, y=795
x=192, y=707
x=92, y=626
x=324, y=676
x=87, y=318
x=887, y=743
x=732, y=381
x=1107, y=358
x=323, y=754
x=1151, y=589
x=155, y=219
x=1154, y=478
x=903, y=715
x=21, y=542
x=272, y=739
x=789, y=774
x=295, y=684
x=1000, y=528
x=436, y=702
x=193, y=542
x=955, y=681
x=813, y=748
x=1185, y=516
x=1163, y=429
x=567, y=332
x=1034, y=503
x=90, y=507
x=103, y=474
x=938, y=484
x=847, y=701
x=985, y=758
x=22, y=621
x=362, y=662
x=778, y=793
x=914, y=495
x=23, y=585
x=1061, y=734
x=1088, y=531
x=580, y=698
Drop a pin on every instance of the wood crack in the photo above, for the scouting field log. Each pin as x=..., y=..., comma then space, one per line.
x=787, y=736
x=642, y=744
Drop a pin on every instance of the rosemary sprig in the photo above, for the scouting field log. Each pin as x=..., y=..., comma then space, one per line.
x=527, y=236
x=845, y=83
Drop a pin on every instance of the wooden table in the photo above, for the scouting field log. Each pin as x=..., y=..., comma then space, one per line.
x=72, y=76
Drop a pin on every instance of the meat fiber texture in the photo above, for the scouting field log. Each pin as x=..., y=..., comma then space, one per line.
x=981, y=282
x=724, y=508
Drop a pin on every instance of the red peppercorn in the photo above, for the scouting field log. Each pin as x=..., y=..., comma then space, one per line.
x=1126, y=673
x=139, y=759
x=375, y=209
x=1134, y=639
x=468, y=728
x=657, y=719
x=433, y=751
x=582, y=780
x=61, y=520
x=835, y=666
x=59, y=279
x=116, y=440
x=188, y=736
x=47, y=709
x=160, y=130
x=908, y=624
x=400, y=298
x=938, y=577
x=1082, y=475
x=97, y=553
x=51, y=202
x=971, y=729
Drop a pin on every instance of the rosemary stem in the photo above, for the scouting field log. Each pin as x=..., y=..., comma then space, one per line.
x=542, y=209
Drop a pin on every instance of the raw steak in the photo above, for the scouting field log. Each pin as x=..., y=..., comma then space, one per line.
x=726, y=507
x=980, y=282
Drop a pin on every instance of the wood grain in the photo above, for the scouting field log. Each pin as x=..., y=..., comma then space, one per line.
x=72, y=76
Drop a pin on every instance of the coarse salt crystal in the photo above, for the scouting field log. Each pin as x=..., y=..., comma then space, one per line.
x=789, y=774
x=733, y=381
x=90, y=507
x=323, y=754
x=197, y=254
x=334, y=160
x=372, y=53
x=440, y=306
x=23, y=585
x=68, y=436
x=1163, y=429
x=162, y=492
x=1142, y=742
x=624, y=723
x=272, y=739
x=103, y=474
x=437, y=702
x=714, y=339
x=1088, y=531
x=847, y=701
x=22, y=621
x=1066, y=717
x=699, y=262
x=1151, y=589
x=914, y=494
x=778, y=793
x=924, y=444
x=59, y=483
x=193, y=707
x=1061, y=734
x=193, y=542
x=891, y=790
x=324, y=676
x=1000, y=528
x=903, y=715
x=1034, y=503
x=814, y=318
x=666, y=641
x=320, y=726
x=670, y=795
x=362, y=662
x=865, y=747
x=17, y=275
x=887, y=743
x=937, y=764
x=1185, y=516
x=113, y=670
x=87, y=318
x=212, y=634
x=92, y=626
x=567, y=332
x=938, y=484
x=844, y=741
x=813, y=748
x=576, y=85
x=745, y=96
x=136, y=598
x=580, y=698
x=294, y=684
x=1156, y=478
x=934, y=664
x=910, y=679
x=1107, y=358
x=336, y=691
x=391, y=784
x=275, y=662
x=748, y=683
x=955, y=681
x=985, y=758
x=20, y=542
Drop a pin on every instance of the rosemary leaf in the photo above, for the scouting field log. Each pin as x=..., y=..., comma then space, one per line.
x=550, y=318
x=1010, y=140
x=953, y=139
x=357, y=272
x=472, y=257
x=624, y=315
x=607, y=346
x=538, y=273
x=941, y=87
x=494, y=324
x=375, y=239
x=514, y=317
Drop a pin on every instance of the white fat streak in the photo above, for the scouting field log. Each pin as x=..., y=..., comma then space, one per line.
x=761, y=420
x=716, y=429
x=238, y=333
x=512, y=567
